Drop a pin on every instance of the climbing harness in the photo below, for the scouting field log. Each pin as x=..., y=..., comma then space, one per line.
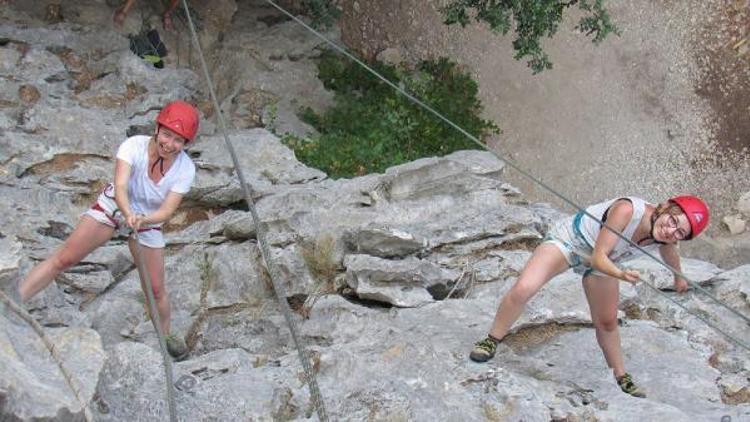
x=99, y=208
x=267, y=257
x=113, y=214
x=156, y=321
x=69, y=379
x=536, y=180
x=261, y=236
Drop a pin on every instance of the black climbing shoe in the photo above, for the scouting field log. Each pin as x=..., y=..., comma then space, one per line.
x=628, y=386
x=176, y=347
x=483, y=350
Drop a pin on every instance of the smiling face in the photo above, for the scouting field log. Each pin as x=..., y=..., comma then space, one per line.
x=671, y=226
x=168, y=143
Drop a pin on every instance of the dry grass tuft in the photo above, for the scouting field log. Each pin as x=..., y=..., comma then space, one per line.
x=323, y=266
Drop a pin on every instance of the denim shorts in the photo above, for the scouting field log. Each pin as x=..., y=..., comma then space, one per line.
x=566, y=236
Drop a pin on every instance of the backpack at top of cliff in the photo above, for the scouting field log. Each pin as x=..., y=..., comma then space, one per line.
x=148, y=45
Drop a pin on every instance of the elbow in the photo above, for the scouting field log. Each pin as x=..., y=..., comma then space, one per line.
x=596, y=260
x=169, y=213
x=599, y=261
x=163, y=215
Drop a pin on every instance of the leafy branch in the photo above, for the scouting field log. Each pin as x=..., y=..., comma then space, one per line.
x=533, y=20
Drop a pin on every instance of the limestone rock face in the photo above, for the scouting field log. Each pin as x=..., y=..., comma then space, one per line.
x=391, y=277
x=734, y=223
x=743, y=204
x=31, y=384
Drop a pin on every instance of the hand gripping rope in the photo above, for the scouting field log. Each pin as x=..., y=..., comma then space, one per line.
x=535, y=180
x=279, y=289
x=261, y=235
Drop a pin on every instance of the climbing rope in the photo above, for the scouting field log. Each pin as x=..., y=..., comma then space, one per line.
x=528, y=175
x=261, y=235
x=705, y=321
x=156, y=321
x=69, y=379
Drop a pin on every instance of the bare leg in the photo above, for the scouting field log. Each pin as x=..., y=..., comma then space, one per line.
x=154, y=264
x=546, y=262
x=167, y=16
x=603, y=295
x=122, y=12
x=87, y=236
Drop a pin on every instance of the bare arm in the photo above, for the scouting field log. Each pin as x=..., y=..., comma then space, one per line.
x=165, y=211
x=671, y=257
x=122, y=176
x=618, y=217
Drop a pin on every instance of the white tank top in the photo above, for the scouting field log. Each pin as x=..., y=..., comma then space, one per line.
x=590, y=228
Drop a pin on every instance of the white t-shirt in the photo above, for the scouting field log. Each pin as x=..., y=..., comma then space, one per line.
x=590, y=228
x=146, y=196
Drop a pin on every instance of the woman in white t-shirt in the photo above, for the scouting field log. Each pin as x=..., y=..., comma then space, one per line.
x=152, y=174
x=582, y=243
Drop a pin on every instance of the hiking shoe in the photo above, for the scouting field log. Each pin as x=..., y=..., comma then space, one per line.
x=628, y=386
x=483, y=350
x=176, y=347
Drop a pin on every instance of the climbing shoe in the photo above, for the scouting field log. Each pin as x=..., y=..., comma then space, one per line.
x=628, y=386
x=483, y=350
x=176, y=347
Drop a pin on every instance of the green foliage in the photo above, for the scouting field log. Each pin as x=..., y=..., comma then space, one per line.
x=533, y=20
x=372, y=127
x=323, y=12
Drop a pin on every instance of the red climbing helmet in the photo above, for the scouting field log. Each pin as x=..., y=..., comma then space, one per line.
x=696, y=211
x=181, y=118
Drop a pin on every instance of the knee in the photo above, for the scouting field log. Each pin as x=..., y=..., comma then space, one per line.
x=608, y=323
x=62, y=260
x=159, y=292
x=519, y=294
